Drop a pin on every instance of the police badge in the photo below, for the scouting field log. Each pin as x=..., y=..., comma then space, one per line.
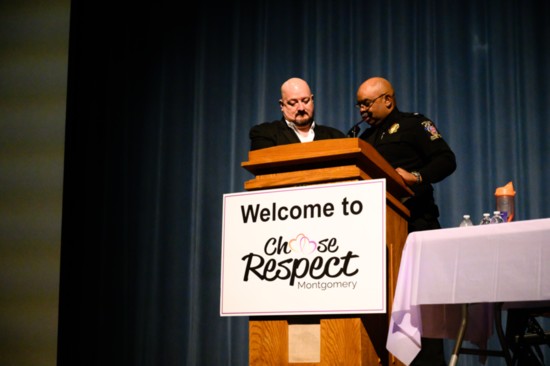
x=393, y=128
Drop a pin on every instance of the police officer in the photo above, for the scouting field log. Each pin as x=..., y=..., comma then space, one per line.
x=412, y=145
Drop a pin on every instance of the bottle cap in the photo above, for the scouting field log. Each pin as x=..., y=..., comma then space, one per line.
x=507, y=190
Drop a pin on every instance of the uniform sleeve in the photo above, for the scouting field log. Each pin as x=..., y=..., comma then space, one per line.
x=439, y=160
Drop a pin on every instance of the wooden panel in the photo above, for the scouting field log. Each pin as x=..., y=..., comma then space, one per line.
x=325, y=154
x=396, y=235
x=301, y=177
x=294, y=154
x=345, y=342
x=268, y=342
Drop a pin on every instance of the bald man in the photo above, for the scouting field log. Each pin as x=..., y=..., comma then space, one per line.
x=297, y=123
x=411, y=143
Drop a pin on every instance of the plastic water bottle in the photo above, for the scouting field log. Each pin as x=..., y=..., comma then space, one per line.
x=496, y=219
x=486, y=219
x=505, y=201
x=466, y=221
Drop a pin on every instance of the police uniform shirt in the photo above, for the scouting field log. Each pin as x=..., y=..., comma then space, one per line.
x=412, y=142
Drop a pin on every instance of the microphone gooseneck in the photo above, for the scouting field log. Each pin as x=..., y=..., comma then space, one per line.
x=354, y=131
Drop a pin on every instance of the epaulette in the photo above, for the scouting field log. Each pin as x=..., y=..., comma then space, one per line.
x=415, y=115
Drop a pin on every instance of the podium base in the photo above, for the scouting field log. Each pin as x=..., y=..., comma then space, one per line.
x=342, y=340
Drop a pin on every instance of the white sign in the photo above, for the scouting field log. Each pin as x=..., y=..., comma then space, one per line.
x=317, y=249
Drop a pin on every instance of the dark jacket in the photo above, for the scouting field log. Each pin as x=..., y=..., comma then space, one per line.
x=276, y=133
x=412, y=142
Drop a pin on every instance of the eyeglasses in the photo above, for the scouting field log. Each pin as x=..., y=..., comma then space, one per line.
x=368, y=103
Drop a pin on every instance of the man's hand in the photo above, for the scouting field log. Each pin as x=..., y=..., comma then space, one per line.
x=410, y=179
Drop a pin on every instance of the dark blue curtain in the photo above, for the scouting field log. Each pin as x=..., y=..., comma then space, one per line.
x=160, y=100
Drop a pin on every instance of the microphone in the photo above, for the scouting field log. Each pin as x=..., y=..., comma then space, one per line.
x=354, y=131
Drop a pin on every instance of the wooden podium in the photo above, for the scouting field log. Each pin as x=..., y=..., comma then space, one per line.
x=345, y=340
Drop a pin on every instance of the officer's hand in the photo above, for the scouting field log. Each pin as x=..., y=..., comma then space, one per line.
x=410, y=179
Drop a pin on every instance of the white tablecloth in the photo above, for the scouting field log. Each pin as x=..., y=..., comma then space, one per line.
x=465, y=265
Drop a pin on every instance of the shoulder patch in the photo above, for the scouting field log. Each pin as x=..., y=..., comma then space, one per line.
x=430, y=128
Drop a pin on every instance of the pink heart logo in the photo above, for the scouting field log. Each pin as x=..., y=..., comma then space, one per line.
x=302, y=244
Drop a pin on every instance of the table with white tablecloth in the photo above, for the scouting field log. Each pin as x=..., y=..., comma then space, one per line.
x=442, y=269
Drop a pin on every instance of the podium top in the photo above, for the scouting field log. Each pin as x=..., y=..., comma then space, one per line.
x=324, y=154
